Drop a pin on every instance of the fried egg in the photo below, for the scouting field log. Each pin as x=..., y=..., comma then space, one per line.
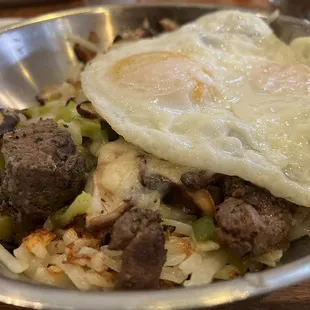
x=222, y=93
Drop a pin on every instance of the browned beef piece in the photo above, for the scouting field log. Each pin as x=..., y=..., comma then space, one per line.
x=43, y=169
x=198, y=179
x=141, y=237
x=23, y=226
x=236, y=187
x=216, y=193
x=171, y=193
x=253, y=222
x=8, y=120
x=265, y=203
x=129, y=224
x=239, y=224
x=157, y=182
x=143, y=259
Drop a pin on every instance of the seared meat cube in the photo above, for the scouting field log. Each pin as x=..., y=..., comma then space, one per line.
x=141, y=236
x=8, y=121
x=128, y=225
x=239, y=224
x=198, y=179
x=143, y=260
x=43, y=169
x=253, y=222
x=158, y=182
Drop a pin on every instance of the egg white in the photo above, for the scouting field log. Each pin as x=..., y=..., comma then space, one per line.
x=221, y=93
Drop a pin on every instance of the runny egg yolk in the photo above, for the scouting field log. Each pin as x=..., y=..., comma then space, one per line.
x=158, y=74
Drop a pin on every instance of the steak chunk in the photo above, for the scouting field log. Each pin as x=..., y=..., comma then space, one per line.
x=8, y=121
x=43, y=169
x=198, y=179
x=239, y=224
x=141, y=237
x=143, y=260
x=129, y=224
x=157, y=182
x=251, y=221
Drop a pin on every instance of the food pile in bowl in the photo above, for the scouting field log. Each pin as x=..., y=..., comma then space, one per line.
x=172, y=159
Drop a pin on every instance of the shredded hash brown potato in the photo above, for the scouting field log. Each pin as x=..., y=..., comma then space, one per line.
x=77, y=261
x=70, y=260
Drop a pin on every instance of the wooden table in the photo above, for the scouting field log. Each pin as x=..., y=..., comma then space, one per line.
x=295, y=297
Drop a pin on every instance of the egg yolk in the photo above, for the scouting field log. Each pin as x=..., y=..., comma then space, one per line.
x=277, y=78
x=164, y=73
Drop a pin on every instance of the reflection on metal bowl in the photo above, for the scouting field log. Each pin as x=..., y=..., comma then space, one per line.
x=298, y=8
x=34, y=54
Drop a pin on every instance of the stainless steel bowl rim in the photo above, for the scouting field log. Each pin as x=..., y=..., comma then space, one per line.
x=24, y=294
x=106, y=8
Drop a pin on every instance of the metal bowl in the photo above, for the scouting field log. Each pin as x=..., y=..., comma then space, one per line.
x=34, y=54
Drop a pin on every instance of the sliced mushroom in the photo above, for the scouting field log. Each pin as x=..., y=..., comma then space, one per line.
x=150, y=31
x=180, y=198
x=117, y=39
x=204, y=201
x=40, y=100
x=48, y=94
x=145, y=31
x=129, y=36
x=70, y=100
x=87, y=110
x=83, y=54
x=168, y=24
x=8, y=121
x=103, y=221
